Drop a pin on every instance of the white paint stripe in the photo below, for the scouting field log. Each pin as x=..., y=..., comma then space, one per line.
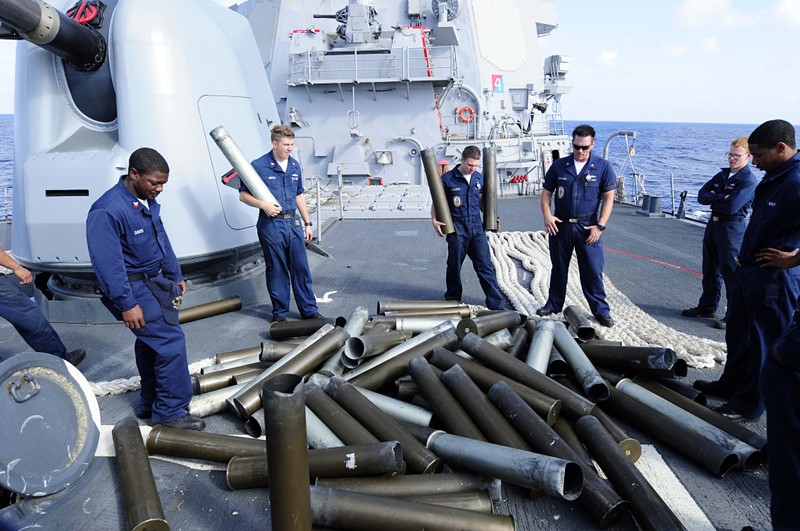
x=666, y=483
x=105, y=447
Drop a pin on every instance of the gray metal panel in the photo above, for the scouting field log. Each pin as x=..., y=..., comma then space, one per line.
x=50, y=424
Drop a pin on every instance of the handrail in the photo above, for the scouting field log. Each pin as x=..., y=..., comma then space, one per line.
x=613, y=136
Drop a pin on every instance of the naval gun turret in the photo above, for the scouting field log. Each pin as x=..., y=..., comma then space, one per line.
x=357, y=24
x=92, y=85
x=80, y=45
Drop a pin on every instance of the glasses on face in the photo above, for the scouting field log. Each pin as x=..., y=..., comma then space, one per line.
x=581, y=148
x=734, y=156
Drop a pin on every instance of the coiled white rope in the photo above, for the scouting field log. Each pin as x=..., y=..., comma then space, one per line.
x=124, y=385
x=634, y=327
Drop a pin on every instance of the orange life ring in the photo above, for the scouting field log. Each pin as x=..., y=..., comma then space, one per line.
x=467, y=114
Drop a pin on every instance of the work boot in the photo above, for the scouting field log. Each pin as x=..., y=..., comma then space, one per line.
x=315, y=315
x=713, y=388
x=727, y=411
x=278, y=319
x=721, y=325
x=544, y=311
x=76, y=356
x=697, y=311
x=142, y=413
x=186, y=422
x=605, y=320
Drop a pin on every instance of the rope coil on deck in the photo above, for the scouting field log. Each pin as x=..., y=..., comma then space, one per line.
x=124, y=385
x=634, y=328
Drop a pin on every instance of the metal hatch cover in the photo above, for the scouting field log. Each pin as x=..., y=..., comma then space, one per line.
x=50, y=424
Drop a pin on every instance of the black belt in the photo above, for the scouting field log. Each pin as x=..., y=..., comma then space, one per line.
x=725, y=218
x=580, y=218
x=142, y=276
x=286, y=216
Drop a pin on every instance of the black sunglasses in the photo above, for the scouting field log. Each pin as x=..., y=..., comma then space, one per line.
x=582, y=148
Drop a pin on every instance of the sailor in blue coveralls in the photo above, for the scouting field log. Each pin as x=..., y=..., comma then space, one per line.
x=763, y=297
x=130, y=251
x=463, y=186
x=279, y=232
x=19, y=310
x=730, y=194
x=780, y=385
x=578, y=183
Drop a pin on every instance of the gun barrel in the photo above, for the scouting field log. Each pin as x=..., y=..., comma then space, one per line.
x=48, y=28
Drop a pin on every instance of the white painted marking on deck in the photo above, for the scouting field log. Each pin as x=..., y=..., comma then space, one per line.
x=666, y=483
x=326, y=297
x=105, y=446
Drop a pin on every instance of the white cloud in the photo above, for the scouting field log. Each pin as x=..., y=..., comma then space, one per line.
x=698, y=14
x=608, y=59
x=788, y=12
x=673, y=50
x=710, y=46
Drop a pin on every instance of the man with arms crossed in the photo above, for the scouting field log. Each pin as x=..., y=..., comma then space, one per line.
x=730, y=194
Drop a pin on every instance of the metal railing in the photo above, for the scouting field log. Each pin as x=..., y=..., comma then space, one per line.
x=372, y=66
x=6, y=201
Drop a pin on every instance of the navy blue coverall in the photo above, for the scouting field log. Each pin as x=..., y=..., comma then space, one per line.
x=19, y=310
x=577, y=200
x=126, y=238
x=762, y=299
x=283, y=239
x=780, y=385
x=469, y=239
x=730, y=198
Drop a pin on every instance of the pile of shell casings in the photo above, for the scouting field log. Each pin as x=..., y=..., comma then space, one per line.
x=415, y=414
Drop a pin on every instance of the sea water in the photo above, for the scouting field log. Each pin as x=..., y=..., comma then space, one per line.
x=669, y=158
x=6, y=164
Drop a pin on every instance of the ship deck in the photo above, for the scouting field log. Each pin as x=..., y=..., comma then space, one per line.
x=653, y=261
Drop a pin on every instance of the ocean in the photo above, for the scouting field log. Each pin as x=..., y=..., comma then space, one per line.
x=689, y=152
x=6, y=164
x=669, y=156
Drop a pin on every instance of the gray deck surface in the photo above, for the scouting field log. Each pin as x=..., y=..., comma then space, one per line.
x=374, y=260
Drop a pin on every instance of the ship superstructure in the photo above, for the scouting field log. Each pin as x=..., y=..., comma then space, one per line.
x=368, y=84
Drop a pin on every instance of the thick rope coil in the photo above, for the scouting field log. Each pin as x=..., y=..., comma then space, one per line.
x=634, y=328
x=124, y=385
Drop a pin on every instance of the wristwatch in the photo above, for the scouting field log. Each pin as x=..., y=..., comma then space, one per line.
x=308, y=224
x=601, y=227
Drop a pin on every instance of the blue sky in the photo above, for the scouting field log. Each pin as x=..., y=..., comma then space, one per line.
x=717, y=61
x=724, y=61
